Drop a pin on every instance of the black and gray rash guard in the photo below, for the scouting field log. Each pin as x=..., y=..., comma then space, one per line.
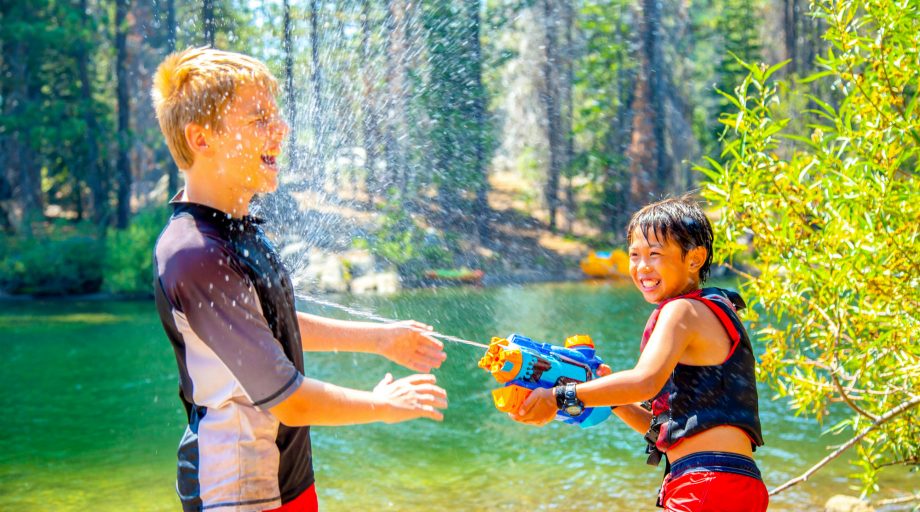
x=227, y=305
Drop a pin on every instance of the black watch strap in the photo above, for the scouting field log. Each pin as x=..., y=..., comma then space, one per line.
x=559, y=393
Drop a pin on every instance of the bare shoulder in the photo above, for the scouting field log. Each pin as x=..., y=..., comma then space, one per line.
x=687, y=311
x=707, y=341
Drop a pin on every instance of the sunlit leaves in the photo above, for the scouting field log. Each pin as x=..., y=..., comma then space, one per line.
x=827, y=221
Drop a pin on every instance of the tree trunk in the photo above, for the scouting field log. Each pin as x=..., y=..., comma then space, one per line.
x=551, y=105
x=647, y=152
x=658, y=85
x=567, y=81
x=22, y=169
x=290, y=97
x=96, y=181
x=171, y=28
x=123, y=170
x=207, y=21
x=481, y=208
x=317, y=158
x=369, y=121
x=616, y=178
x=394, y=146
x=791, y=22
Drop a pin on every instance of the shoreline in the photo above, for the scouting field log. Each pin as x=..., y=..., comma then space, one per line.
x=489, y=281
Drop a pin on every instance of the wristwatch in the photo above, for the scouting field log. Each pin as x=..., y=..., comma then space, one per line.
x=567, y=400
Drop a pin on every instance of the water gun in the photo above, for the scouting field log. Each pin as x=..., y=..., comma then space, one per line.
x=522, y=365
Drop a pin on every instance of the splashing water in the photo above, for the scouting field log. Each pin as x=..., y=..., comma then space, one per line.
x=372, y=316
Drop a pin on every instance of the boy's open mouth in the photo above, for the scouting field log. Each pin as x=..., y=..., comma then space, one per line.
x=269, y=160
x=649, y=283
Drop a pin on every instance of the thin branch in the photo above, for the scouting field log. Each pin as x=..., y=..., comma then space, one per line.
x=833, y=370
x=848, y=400
x=741, y=273
x=897, y=501
x=908, y=461
x=882, y=419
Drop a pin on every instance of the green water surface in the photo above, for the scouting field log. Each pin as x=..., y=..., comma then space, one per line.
x=90, y=417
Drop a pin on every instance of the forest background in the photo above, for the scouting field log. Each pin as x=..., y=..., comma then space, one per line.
x=418, y=116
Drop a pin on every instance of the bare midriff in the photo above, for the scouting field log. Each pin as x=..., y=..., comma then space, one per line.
x=723, y=438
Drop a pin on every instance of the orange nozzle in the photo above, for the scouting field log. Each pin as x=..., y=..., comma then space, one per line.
x=509, y=398
x=579, y=340
x=503, y=363
x=491, y=355
x=507, y=365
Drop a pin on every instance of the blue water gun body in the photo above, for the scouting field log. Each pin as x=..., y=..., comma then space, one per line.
x=523, y=365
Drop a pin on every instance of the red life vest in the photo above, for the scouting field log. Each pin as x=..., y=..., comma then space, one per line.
x=697, y=398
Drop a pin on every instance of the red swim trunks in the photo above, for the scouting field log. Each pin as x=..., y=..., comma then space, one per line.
x=714, y=482
x=306, y=502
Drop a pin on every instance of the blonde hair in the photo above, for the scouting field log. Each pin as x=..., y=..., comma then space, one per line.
x=195, y=86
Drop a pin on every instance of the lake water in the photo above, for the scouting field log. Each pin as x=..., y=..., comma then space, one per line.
x=91, y=419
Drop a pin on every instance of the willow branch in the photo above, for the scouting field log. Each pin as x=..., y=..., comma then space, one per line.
x=848, y=400
x=882, y=419
x=908, y=461
x=896, y=501
x=741, y=273
x=833, y=370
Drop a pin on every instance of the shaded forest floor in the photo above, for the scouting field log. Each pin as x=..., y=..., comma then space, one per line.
x=519, y=247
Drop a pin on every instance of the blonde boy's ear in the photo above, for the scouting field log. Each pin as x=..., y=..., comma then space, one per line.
x=196, y=136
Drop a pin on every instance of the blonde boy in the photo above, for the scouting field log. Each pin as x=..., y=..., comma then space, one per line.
x=227, y=304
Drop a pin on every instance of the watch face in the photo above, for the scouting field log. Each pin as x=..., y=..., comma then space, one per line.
x=574, y=410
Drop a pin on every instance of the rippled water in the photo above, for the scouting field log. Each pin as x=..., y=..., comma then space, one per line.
x=91, y=418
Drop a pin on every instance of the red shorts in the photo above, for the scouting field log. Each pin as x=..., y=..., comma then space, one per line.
x=306, y=502
x=704, y=486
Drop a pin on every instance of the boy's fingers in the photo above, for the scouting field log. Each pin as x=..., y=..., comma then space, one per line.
x=419, y=325
x=528, y=404
x=435, y=401
x=430, y=342
x=432, y=413
x=425, y=363
x=431, y=390
x=433, y=350
x=420, y=378
x=604, y=370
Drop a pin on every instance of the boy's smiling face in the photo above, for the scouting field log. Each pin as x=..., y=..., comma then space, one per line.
x=660, y=270
x=248, y=144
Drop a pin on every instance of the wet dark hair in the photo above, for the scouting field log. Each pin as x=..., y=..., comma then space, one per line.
x=679, y=219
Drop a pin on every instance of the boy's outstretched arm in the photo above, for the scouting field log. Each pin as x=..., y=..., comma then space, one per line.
x=320, y=403
x=405, y=343
x=666, y=346
x=637, y=417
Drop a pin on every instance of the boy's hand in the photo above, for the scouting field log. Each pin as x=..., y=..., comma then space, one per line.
x=408, y=398
x=539, y=408
x=407, y=344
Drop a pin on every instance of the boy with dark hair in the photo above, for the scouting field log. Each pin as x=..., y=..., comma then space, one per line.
x=692, y=393
x=227, y=304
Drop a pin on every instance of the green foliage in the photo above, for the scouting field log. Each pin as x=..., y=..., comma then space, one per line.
x=602, y=90
x=830, y=225
x=401, y=240
x=72, y=259
x=454, y=98
x=739, y=32
x=61, y=259
x=45, y=107
x=129, y=253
